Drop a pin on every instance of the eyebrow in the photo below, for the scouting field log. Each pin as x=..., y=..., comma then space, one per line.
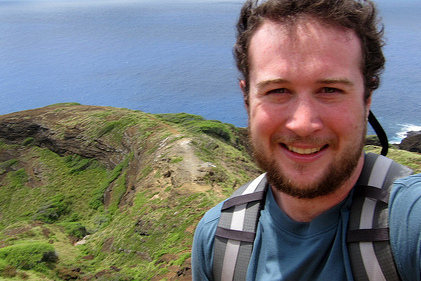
x=265, y=83
x=328, y=81
x=343, y=81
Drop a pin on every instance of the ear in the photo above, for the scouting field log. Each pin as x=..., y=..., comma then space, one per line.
x=243, y=87
x=367, y=106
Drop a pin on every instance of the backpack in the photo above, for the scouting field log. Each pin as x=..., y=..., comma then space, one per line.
x=367, y=235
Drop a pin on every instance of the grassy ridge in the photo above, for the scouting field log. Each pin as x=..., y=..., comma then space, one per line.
x=410, y=159
x=134, y=210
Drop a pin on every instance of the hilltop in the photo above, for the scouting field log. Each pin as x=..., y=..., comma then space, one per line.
x=117, y=193
x=102, y=193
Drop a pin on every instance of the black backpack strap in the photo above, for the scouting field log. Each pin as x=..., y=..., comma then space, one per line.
x=237, y=229
x=368, y=227
x=381, y=134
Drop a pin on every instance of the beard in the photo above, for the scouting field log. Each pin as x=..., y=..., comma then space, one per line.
x=334, y=177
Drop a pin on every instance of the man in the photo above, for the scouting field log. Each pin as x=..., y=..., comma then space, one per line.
x=309, y=68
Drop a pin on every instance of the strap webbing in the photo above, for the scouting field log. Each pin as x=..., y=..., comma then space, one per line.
x=243, y=199
x=368, y=235
x=236, y=231
x=368, y=229
x=372, y=192
x=235, y=234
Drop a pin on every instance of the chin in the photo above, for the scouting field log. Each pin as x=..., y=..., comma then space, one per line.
x=326, y=182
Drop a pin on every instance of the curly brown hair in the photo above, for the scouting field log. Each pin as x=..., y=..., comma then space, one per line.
x=357, y=15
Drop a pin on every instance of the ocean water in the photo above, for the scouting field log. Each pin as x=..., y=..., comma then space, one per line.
x=168, y=56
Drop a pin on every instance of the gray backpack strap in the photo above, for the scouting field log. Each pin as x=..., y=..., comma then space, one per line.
x=368, y=227
x=236, y=231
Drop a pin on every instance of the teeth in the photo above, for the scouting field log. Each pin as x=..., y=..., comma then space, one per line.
x=303, y=150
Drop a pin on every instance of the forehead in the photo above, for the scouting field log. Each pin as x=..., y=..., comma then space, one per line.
x=303, y=41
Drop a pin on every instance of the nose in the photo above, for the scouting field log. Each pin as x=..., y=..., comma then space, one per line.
x=304, y=118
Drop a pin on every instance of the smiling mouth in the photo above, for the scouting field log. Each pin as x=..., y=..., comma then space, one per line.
x=304, y=151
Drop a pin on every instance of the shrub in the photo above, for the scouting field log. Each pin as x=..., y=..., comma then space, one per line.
x=197, y=123
x=215, y=129
x=372, y=140
x=75, y=229
x=98, y=195
x=180, y=118
x=18, y=178
x=81, y=166
x=77, y=163
x=23, y=275
x=9, y=271
x=8, y=163
x=28, y=141
x=108, y=128
x=53, y=209
x=116, y=126
x=3, y=264
x=35, y=255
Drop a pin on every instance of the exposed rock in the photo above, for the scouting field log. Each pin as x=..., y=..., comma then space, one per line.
x=82, y=242
x=39, y=125
x=412, y=142
x=413, y=133
x=372, y=140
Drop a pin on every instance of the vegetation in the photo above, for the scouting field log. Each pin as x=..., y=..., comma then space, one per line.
x=35, y=255
x=118, y=195
x=198, y=124
x=128, y=215
x=52, y=210
x=410, y=159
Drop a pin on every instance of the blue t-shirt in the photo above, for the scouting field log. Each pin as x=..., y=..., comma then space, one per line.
x=288, y=250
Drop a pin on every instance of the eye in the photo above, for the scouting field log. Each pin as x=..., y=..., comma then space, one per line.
x=278, y=91
x=330, y=90
x=278, y=95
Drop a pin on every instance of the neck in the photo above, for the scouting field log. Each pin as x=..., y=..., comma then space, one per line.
x=305, y=210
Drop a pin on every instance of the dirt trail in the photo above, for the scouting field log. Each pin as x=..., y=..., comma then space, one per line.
x=189, y=172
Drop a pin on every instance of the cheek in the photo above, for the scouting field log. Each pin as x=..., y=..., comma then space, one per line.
x=348, y=122
x=264, y=126
x=264, y=119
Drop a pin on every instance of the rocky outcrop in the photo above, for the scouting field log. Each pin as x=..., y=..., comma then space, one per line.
x=45, y=128
x=110, y=135
x=412, y=142
x=372, y=140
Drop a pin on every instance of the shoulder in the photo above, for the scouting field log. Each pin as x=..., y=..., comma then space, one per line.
x=202, y=251
x=207, y=225
x=213, y=214
x=206, y=228
x=405, y=225
x=405, y=200
x=405, y=193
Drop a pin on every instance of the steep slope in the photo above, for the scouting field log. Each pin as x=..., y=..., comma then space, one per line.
x=116, y=192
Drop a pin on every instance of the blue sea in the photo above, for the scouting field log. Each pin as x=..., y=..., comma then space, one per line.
x=164, y=56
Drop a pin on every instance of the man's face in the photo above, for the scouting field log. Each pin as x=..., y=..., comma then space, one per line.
x=307, y=114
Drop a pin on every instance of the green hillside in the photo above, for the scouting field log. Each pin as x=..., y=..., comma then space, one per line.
x=110, y=194
x=101, y=193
